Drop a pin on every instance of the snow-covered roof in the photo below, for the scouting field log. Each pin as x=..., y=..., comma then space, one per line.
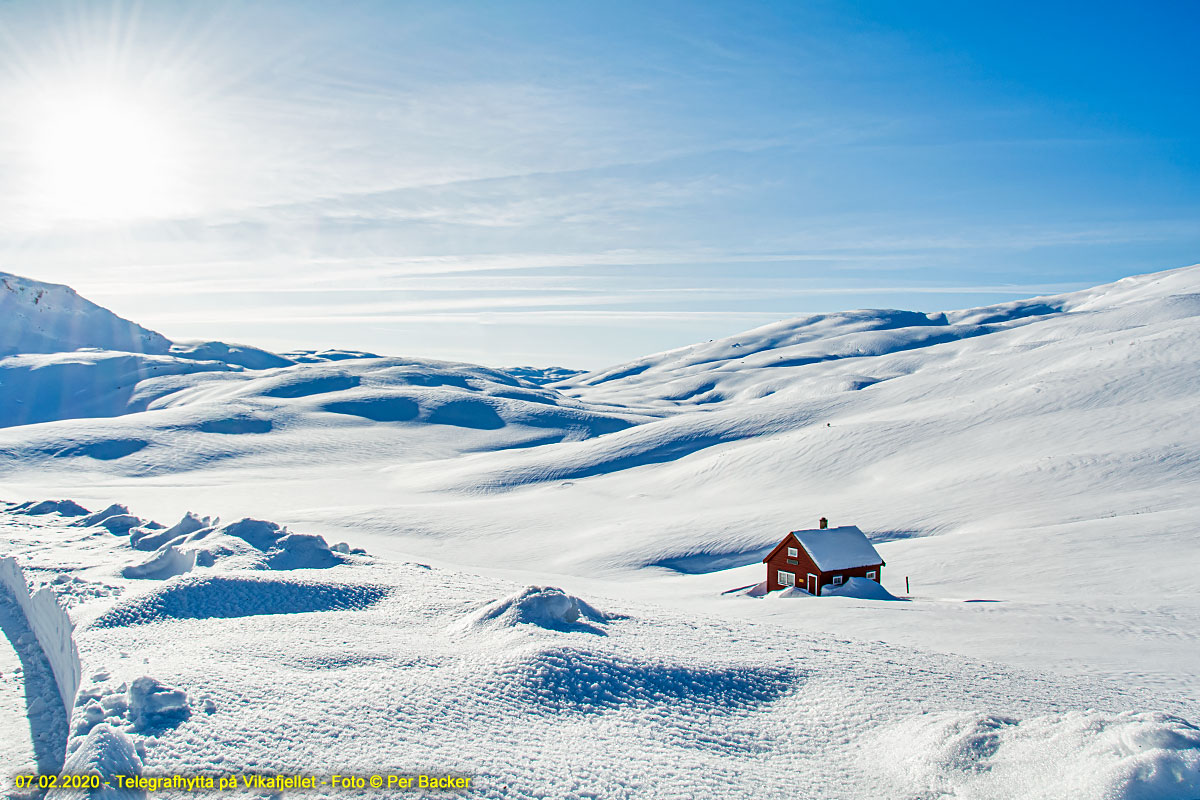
x=838, y=548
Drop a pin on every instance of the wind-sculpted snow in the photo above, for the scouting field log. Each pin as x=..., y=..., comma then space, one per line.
x=378, y=409
x=226, y=596
x=108, y=752
x=570, y=679
x=1042, y=456
x=44, y=388
x=543, y=606
x=246, y=544
x=238, y=354
x=154, y=538
x=236, y=425
x=860, y=588
x=655, y=443
x=66, y=508
x=1131, y=756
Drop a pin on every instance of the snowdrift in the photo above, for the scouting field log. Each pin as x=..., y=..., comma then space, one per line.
x=543, y=606
x=229, y=596
x=52, y=627
x=246, y=544
x=1128, y=756
x=861, y=588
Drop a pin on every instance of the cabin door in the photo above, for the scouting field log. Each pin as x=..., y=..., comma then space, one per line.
x=812, y=584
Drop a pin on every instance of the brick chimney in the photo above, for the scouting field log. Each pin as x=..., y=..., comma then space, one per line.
x=824, y=523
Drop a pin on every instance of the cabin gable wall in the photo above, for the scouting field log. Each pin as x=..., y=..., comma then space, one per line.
x=799, y=565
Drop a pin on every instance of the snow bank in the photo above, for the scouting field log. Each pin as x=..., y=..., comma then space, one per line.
x=757, y=590
x=225, y=596
x=790, y=592
x=152, y=539
x=52, y=627
x=544, y=606
x=1083, y=755
x=245, y=544
x=67, y=508
x=862, y=588
x=166, y=563
x=114, y=510
x=107, y=752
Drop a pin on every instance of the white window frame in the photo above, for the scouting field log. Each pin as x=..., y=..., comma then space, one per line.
x=789, y=580
x=793, y=553
x=837, y=580
x=871, y=575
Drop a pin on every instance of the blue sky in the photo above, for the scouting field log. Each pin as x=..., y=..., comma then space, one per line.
x=583, y=183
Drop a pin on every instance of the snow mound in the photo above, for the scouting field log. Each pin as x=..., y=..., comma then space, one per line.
x=225, y=597
x=152, y=704
x=239, y=354
x=543, y=606
x=755, y=590
x=152, y=539
x=791, y=592
x=1086, y=755
x=66, y=508
x=167, y=562
x=862, y=588
x=116, y=509
x=107, y=752
x=277, y=547
x=246, y=543
x=121, y=524
x=571, y=679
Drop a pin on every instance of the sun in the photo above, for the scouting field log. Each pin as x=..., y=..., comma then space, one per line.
x=100, y=153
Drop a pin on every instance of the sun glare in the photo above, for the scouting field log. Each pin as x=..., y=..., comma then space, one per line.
x=100, y=154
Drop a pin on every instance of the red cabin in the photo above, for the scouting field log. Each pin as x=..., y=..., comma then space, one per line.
x=826, y=556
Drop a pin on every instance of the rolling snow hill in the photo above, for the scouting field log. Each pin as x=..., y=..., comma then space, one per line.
x=1028, y=470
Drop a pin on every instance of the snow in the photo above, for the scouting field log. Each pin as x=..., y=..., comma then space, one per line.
x=152, y=704
x=107, y=752
x=547, y=602
x=50, y=626
x=38, y=317
x=1077, y=754
x=545, y=606
x=843, y=547
x=861, y=588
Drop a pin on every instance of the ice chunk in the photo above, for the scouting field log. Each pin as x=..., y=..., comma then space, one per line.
x=152, y=703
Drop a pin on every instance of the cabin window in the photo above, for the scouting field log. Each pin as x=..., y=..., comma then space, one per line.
x=837, y=580
x=792, y=552
x=787, y=578
x=871, y=574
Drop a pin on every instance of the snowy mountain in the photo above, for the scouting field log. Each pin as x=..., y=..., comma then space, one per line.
x=1027, y=470
x=38, y=317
